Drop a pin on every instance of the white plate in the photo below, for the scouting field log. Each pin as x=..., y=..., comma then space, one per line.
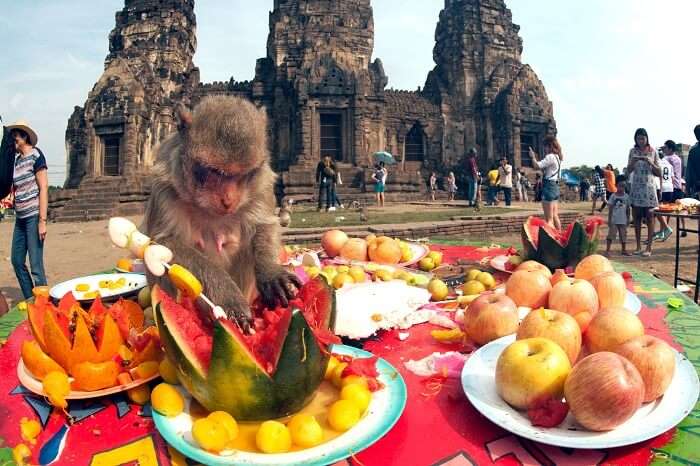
x=134, y=282
x=137, y=266
x=384, y=410
x=418, y=251
x=33, y=384
x=652, y=419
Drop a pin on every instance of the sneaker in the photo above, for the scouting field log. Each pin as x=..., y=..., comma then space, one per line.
x=342, y=206
x=331, y=209
x=658, y=236
x=666, y=234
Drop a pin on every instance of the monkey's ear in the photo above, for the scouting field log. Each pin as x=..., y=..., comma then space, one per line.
x=184, y=119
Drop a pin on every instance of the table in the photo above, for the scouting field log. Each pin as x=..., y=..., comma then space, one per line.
x=678, y=216
x=438, y=427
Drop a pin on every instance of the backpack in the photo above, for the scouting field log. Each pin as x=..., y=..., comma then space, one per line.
x=7, y=163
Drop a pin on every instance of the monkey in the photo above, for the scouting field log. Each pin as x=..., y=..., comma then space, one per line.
x=363, y=214
x=285, y=214
x=212, y=203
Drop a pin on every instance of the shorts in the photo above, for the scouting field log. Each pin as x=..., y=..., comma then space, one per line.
x=550, y=191
x=379, y=187
x=669, y=197
x=678, y=194
x=613, y=230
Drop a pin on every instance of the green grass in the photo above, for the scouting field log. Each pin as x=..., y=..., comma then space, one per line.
x=312, y=218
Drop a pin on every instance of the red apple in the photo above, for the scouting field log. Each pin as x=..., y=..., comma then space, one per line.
x=611, y=328
x=575, y=297
x=559, y=275
x=557, y=326
x=534, y=265
x=530, y=370
x=655, y=361
x=490, y=316
x=611, y=289
x=529, y=288
x=603, y=390
x=333, y=241
x=591, y=266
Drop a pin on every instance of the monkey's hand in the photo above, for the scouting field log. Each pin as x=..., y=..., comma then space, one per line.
x=276, y=284
x=217, y=284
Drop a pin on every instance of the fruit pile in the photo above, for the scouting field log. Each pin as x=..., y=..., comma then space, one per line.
x=341, y=275
x=353, y=381
x=578, y=348
x=379, y=249
x=99, y=348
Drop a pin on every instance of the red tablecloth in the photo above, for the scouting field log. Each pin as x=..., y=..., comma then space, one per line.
x=439, y=426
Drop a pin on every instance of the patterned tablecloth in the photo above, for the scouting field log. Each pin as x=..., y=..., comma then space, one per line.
x=438, y=427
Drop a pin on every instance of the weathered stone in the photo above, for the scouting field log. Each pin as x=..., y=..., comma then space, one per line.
x=322, y=93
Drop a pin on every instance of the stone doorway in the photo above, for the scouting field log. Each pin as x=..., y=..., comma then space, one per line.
x=332, y=136
x=528, y=140
x=110, y=160
x=414, y=145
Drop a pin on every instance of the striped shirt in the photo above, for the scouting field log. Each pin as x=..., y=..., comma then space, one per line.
x=26, y=187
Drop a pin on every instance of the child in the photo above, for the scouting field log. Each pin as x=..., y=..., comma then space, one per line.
x=619, y=208
x=451, y=185
x=433, y=185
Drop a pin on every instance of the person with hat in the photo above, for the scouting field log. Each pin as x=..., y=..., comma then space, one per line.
x=30, y=185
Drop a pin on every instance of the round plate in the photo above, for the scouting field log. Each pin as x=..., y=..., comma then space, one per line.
x=134, y=282
x=34, y=385
x=383, y=412
x=652, y=419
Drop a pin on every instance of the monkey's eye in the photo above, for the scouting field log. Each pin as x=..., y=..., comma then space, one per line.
x=204, y=175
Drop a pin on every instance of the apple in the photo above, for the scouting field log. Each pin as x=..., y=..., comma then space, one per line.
x=575, y=297
x=611, y=328
x=333, y=241
x=655, y=361
x=529, y=288
x=558, y=276
x=530, y=370
x=591, y=266
x=557, y=326
x=603, y=390
x=534, y=265
x=611, y=289
x=490, y=316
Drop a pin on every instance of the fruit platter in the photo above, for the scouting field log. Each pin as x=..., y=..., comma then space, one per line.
x=344, y=416
x=372, y=248
x=108, y=287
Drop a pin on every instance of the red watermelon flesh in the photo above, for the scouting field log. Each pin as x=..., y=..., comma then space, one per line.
x=532, y=227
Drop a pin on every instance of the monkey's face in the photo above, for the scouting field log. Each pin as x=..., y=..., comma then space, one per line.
x=222, y=190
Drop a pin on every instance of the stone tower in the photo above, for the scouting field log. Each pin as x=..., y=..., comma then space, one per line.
x=148, y=72
x=489, y=99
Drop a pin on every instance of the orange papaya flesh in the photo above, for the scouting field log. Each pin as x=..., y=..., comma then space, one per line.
x=83, y=348
x=127, y=314
x=108, y=339
x=38, y=362
x=56, y=338
x=90, y=376
x=35, y=315
x=67, y=302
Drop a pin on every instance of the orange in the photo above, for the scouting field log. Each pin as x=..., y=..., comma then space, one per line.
x=90, y=376
x=385, y=250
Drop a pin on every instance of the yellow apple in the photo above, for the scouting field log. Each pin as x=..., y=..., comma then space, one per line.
x=557, y=326
x=436, y=256
x=530, y=370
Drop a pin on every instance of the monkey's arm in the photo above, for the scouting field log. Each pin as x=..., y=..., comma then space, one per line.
x=274, y=282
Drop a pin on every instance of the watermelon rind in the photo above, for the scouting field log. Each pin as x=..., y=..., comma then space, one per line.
x=578, y=247
x=550, y=252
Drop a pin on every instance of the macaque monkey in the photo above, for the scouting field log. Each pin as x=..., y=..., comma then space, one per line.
x=285, y=215
x=212, y=203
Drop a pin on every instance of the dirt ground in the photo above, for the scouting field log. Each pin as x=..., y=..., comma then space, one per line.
x=75, y=249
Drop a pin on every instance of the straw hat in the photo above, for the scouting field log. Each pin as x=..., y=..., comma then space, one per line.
x=23, y=125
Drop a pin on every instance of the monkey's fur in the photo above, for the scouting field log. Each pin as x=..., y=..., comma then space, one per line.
x=212, y=203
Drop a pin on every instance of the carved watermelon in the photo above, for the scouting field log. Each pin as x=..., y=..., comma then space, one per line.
x=268, y=374
x=559, y=249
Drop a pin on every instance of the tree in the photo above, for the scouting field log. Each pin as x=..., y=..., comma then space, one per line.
x=582, y=171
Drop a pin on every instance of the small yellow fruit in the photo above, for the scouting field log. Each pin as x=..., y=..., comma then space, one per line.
x=337, y=377
x=436, y=256
x=56, y=387
x=342, y=415
x=384, y=275
x=167, y=400
x=21, y=454
x=438, y=289
x=332, y=364
x=341, y=280
x=305, y=430
x=313, y=271
x=140, y=395
x=487, y=280
x=472, y=274
x=473, y=287
x=357, y=273
x=82, y=287
x=273, y=437
x=354, y=379
x=184, y=280
x=22, y=306
x=210, y=435
x=358, y=395
x=342, y=269
x=426, y=264
x=147, y=369
x=227, y=422
x=30, y=429
x=125, y=353
x=168, y=371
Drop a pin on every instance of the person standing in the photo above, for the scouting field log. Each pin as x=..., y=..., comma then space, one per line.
x=338, y=181
x=524, y=184
x=433, y=185
x=609, y=174
x=692, y=176
x=451, y=185
x=674, y=159
x=379, y=176
x=472, y=177
x=585, y=187
x=505, y=180
x=599, y=185
x=550, y=165
x=618, y=216
x=643, y=165
x=325, y=176
x=666, y=192
x=31, y=188
x=492, y=192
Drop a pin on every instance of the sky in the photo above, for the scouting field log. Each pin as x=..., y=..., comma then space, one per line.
x=608, y=66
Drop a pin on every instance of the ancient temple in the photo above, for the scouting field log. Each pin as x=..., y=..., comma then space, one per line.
x=324, y=93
